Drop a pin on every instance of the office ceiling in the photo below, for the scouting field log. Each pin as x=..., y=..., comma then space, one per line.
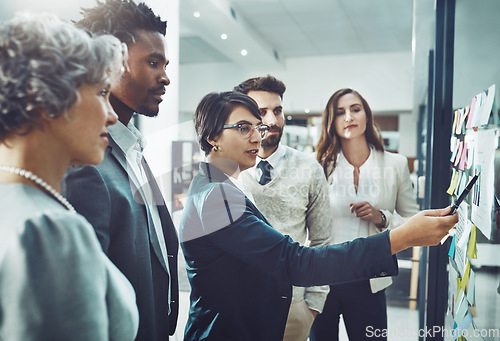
x=274, y=30
x=271, y=30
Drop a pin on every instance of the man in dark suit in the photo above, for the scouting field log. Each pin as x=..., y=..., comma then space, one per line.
x=120, y=196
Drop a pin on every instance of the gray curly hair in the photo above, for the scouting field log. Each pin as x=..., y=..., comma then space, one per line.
x=43, y=63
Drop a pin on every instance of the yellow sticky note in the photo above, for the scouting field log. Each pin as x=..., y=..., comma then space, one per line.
x=454, y=122
x=472, y=251
x=465, y=278
x=453, y=184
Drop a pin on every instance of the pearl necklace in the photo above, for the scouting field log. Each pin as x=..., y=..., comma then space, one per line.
x=32, y=177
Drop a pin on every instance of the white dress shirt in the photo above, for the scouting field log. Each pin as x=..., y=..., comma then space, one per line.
x=242, y=188
x=132, y=143
x=384, y=182
x=276, y=160
x=343, y=193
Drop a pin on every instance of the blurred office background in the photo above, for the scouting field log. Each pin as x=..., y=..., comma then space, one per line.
x=385, y=49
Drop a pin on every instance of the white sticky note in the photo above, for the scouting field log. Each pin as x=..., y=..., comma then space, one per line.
x=487, y=106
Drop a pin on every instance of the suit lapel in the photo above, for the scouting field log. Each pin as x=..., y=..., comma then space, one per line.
x=166, y=221
x=117, y=153
x=213, y=174
x=143, y=195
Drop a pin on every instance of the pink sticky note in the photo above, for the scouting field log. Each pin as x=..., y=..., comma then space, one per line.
x=459, y=154
x=463, y=158
x=471, y=112
x=470, y=154
x=459, y=121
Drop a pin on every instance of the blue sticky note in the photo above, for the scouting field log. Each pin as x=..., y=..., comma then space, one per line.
x=451, y=253
x=464, y=324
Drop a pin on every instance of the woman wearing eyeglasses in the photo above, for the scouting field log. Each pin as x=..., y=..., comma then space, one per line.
x=240, y=269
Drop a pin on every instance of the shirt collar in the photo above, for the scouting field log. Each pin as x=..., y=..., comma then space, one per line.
x=127, y=137
x=274, y=158
x=241, y=186
x=342, y=160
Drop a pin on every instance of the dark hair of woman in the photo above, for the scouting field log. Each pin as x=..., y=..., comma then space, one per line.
x=213, y=111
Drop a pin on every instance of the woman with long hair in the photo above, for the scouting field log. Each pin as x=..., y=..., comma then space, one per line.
x=370, y=191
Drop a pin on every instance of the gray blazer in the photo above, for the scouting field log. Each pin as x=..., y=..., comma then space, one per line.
x=55, y=281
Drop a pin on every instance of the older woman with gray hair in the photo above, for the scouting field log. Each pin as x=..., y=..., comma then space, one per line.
x=55, y=281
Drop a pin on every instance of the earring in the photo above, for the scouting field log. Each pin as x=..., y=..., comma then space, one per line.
x=215, y=148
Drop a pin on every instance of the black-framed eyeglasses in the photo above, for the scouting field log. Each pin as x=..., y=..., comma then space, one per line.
x=246, y=129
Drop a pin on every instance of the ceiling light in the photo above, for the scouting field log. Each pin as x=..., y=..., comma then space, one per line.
x=306, y=110
x=244, y=52
x=223, y=36
x=196, y=14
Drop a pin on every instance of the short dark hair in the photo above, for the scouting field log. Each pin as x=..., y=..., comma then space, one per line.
x=213, y=111
x=121, y=18
x=267, y=83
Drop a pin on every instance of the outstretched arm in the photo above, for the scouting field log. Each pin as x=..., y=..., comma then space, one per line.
x=423, y=229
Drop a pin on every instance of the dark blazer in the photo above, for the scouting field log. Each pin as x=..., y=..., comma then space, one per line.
x=105, y=196
x=241, y=269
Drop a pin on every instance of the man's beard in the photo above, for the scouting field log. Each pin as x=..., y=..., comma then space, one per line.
x=273, y=140
x=147, y=111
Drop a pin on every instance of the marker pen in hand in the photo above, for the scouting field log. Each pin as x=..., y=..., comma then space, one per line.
x=463, y=195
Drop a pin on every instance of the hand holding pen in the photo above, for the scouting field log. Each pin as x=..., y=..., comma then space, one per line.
x=457, y=203
x=464, y=194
